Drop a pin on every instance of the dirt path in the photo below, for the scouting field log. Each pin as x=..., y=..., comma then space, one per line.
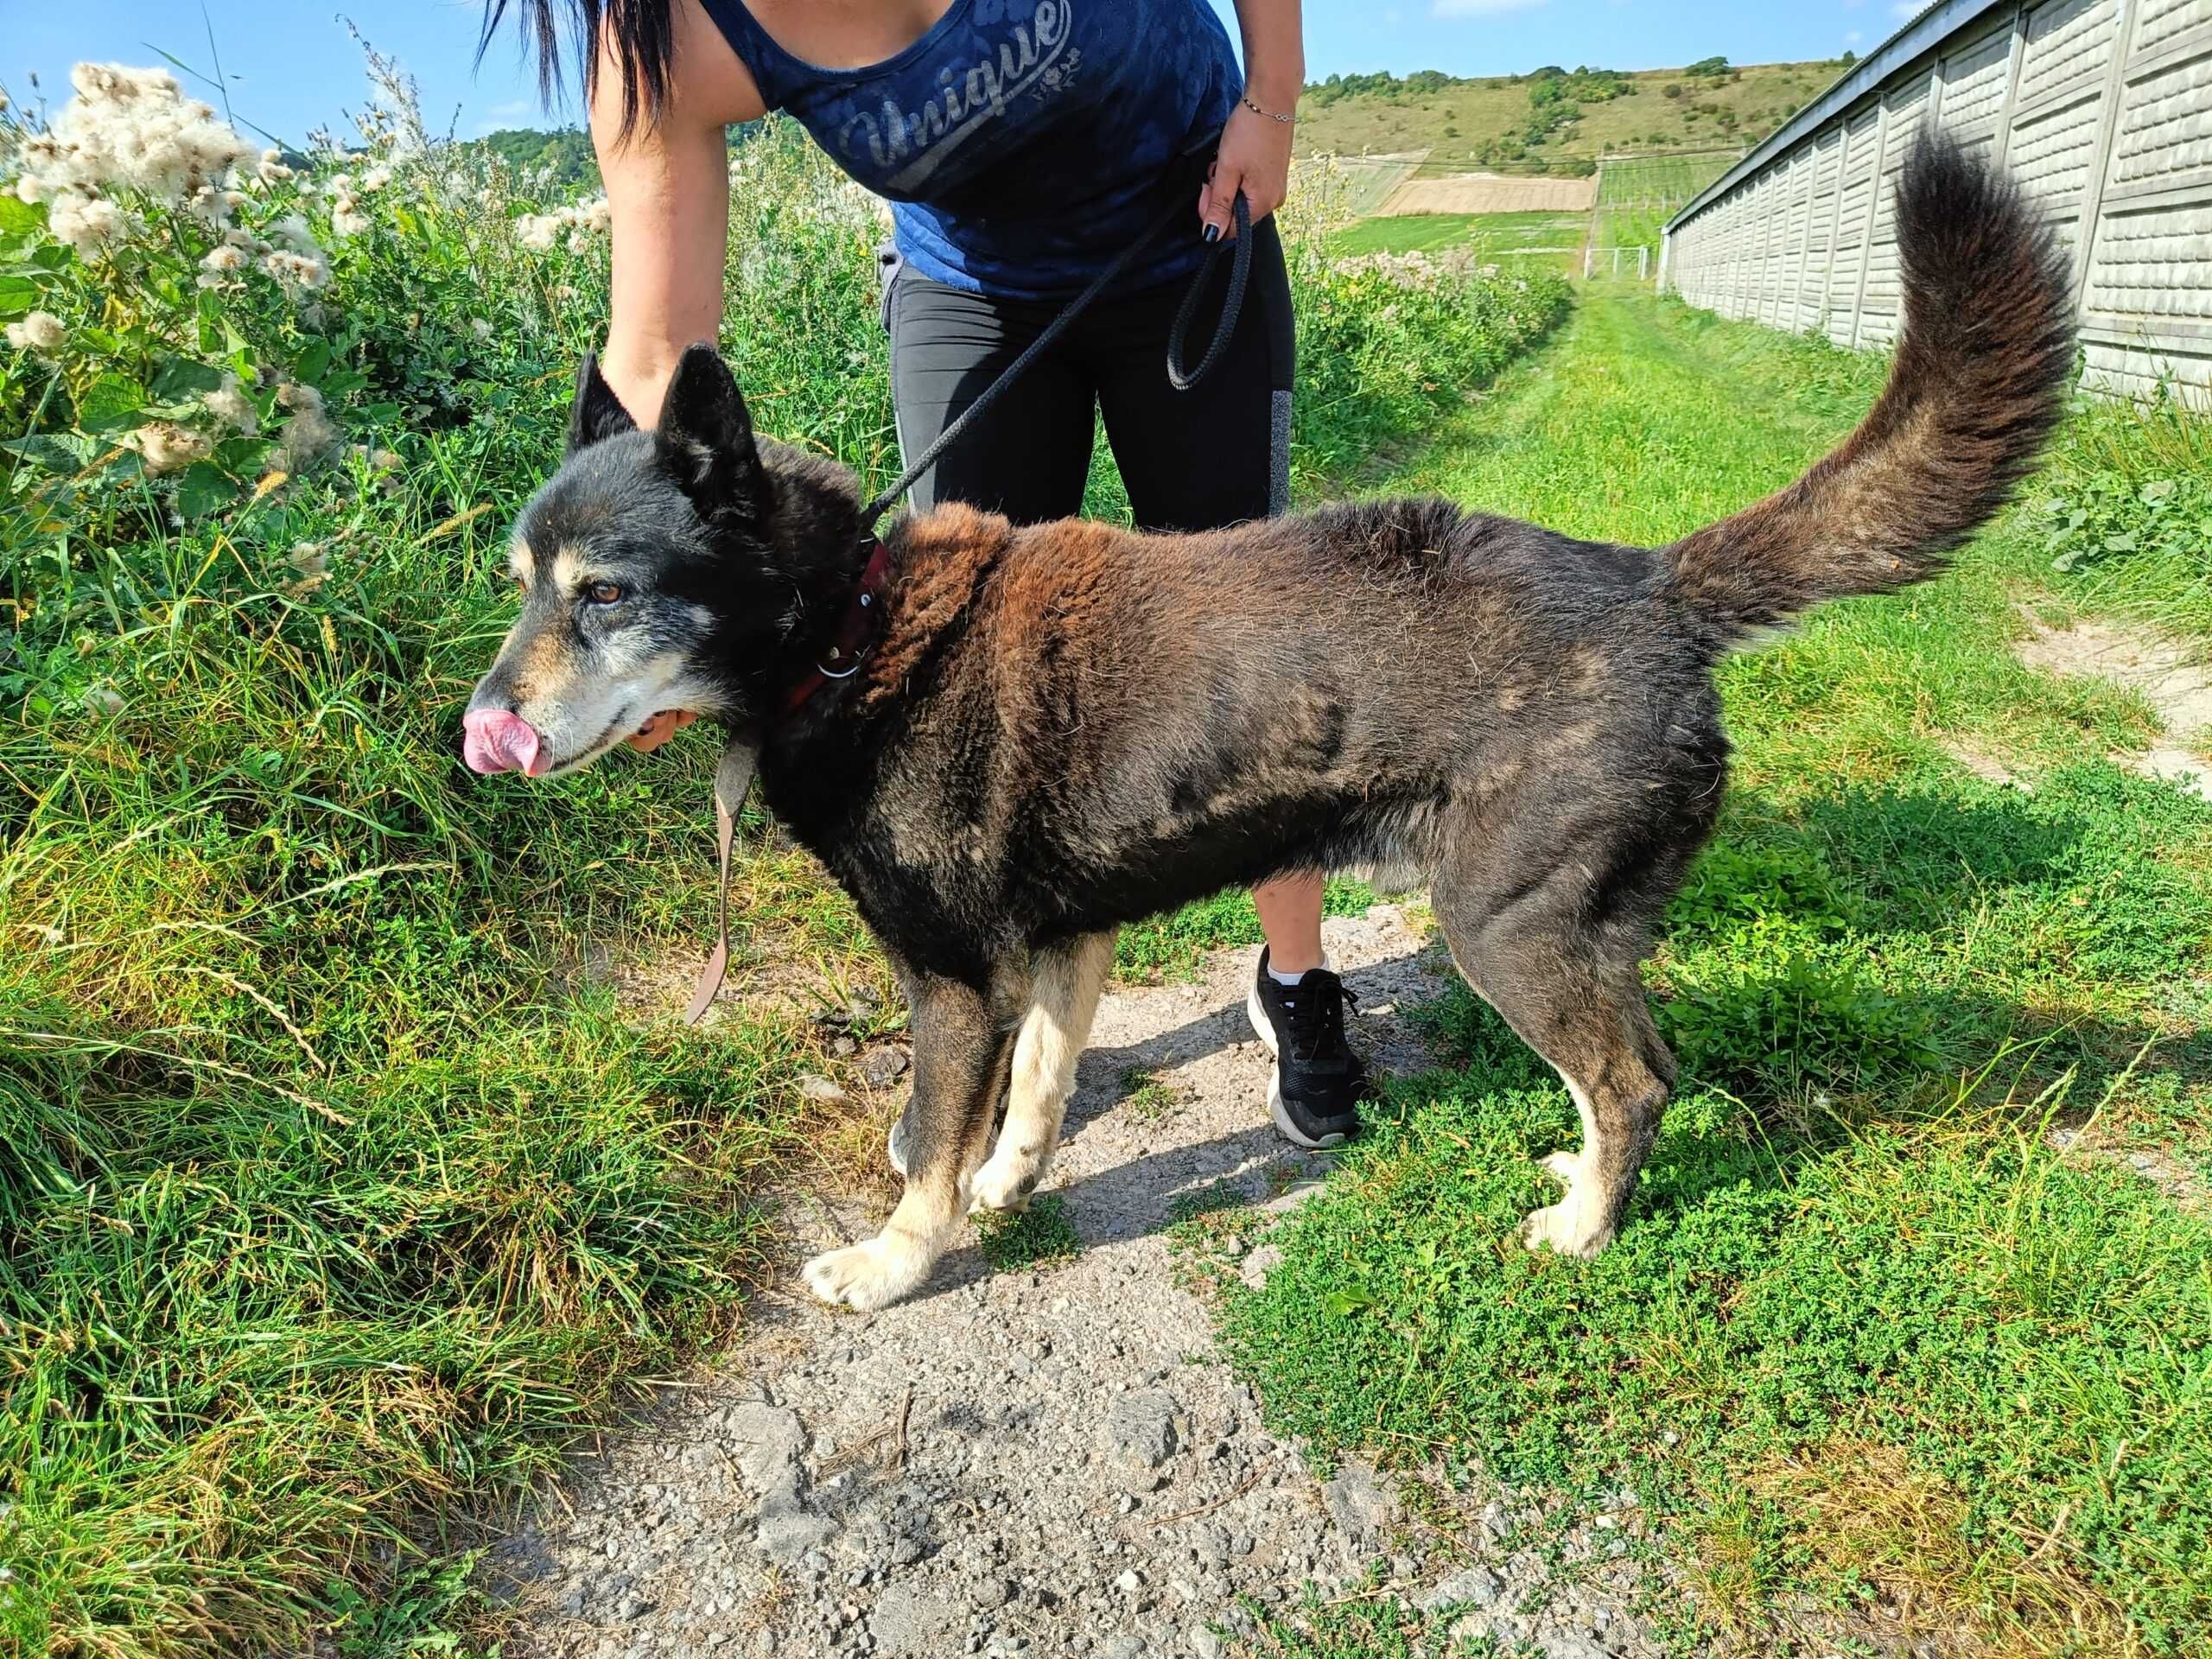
x=2162, y=671
x=1040, y=1463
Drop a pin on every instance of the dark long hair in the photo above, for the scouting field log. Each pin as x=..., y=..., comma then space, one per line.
x=640, y=33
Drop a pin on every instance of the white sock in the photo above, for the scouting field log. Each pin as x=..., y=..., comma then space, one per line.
x=1327, y=966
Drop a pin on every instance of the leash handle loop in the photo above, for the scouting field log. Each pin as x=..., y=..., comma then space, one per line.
x=732, y=778
x=1240, y=269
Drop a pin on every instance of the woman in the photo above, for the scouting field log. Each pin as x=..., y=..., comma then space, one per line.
x=1023, y=145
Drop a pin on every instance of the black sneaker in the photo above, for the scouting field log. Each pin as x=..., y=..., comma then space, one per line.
x=1315, y=1095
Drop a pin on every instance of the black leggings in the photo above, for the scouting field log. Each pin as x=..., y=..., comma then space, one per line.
x=1198, y=459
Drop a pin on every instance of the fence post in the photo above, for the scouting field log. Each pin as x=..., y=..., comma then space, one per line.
x=1642, y=261
x=1873, y=214
x=1589, y=260
x=2001, y=147
x=2107, y=151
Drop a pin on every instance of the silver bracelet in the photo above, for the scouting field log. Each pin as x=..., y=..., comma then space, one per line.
x=1270, y=114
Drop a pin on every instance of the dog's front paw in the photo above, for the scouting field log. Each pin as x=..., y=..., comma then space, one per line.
x=868, y=1277
x=1004, y=1183
x=1568, y=1226
x=1566, y=1167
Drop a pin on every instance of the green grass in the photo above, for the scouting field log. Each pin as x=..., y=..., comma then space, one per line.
x=1867, y=1336
x=350, y=1169
x=1013, y=1240
x=1366, y=185
x=351, y=1163
x=1491, y=235
x=1147, y=1097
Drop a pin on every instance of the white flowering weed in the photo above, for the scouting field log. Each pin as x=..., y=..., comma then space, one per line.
x=37, y=331
x=583, y=222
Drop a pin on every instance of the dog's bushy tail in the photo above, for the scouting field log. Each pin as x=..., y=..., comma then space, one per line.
x=1976, y=387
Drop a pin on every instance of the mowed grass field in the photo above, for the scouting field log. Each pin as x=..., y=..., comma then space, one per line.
x=1491, y=235
x=1367, y=182
x=1882, y=1363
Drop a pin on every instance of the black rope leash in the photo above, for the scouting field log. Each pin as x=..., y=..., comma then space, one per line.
x=1240, y=269
x=1178, y=376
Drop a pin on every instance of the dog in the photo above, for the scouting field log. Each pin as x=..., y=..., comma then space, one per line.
x=1065, y=728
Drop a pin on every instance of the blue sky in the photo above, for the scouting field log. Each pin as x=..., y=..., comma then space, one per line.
x=292, y=65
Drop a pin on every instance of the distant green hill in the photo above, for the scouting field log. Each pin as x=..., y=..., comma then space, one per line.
x=1555, y=119
x=564, y=154
x=1551, y=120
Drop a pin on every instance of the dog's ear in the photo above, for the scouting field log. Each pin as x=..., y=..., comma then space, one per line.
x=706, y=434
x=597, y=413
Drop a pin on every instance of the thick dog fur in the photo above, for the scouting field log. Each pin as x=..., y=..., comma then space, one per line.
x=1069, y=727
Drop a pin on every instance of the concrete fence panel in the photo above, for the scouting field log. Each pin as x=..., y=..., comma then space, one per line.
x=2103, y=108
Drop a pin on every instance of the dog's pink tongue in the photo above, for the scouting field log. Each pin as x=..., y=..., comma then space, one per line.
x=496, y=740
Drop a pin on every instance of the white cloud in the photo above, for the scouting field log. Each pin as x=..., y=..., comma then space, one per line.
x=1480, y=8
x=1852, y=37
x=500, y=117
x=1906, y=10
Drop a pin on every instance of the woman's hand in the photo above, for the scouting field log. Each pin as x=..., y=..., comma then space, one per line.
x=657, y=730
x=1254, y=158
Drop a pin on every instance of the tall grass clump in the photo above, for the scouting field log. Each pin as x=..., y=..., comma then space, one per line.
x=2126, y=507
x=334, y=1188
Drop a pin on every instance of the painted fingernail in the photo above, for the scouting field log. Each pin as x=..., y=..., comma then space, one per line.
x=1213, y=232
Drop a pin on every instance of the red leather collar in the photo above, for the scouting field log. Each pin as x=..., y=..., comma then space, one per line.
x=855, y=634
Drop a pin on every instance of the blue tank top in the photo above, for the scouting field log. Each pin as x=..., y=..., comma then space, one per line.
x=1022, y=143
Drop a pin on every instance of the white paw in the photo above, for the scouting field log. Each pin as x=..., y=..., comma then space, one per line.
x=1005, y=1182
x=1565, y=1167
x=870, y=1275
x=1568, y=1226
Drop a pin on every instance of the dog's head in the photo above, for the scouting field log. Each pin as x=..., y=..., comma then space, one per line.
x=659, y=570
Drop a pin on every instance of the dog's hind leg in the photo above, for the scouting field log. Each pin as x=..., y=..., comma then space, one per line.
x=1572, y=992
x=962, y=1040
x=1067, y=979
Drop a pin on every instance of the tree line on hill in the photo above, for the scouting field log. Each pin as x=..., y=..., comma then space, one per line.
x=562, y=157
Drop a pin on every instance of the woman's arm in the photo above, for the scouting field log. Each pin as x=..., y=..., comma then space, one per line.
x=1255, y=154
x=668, y=189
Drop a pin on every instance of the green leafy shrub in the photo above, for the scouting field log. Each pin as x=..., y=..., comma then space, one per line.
x=2109, y=514
x=1762, y=1030
x=1746, y=891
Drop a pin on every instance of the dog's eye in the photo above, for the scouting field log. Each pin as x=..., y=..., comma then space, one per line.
x=603, y=592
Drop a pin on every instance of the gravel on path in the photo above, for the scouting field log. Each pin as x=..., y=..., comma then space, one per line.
x=1038, y=1463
